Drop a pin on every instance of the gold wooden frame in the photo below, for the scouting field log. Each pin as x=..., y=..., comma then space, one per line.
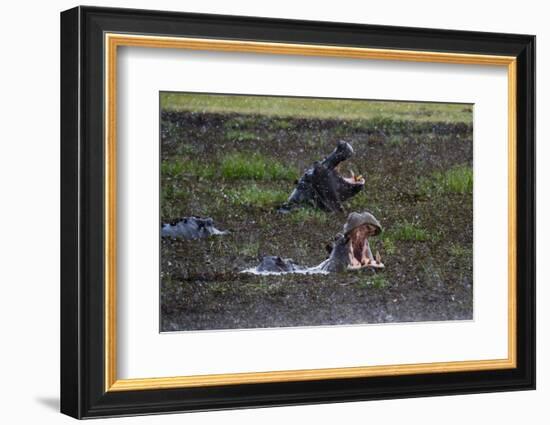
x=113, y=41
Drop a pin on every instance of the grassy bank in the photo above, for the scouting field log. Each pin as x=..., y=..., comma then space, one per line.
x=316, y=108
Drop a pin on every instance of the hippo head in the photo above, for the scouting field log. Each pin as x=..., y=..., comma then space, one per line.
x=324, y=186
x=191, y=228
x=357, y=230
x=351, y=249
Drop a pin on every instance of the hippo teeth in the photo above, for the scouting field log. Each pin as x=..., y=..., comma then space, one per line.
x=378, y=257
x=354, y=178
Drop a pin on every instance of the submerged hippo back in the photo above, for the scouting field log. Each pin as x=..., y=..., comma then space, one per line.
x=276, y=264
x=191, y=228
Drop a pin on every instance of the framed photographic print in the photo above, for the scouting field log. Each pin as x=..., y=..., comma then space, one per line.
x=261, y=212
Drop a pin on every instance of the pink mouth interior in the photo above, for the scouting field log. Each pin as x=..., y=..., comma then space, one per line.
x=358, y=257
x=352, y=180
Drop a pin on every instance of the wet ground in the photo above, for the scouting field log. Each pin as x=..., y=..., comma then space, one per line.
x=417, y=185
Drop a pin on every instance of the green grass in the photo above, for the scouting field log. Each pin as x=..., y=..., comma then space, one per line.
x=306, y=214
x=459, y=180
x=364, y=201
x=457, y=250
x=240, y=122
x=237, y=166
x=170, y=197
x=254, y=196
x=407, y=232
x=317, y=108
x=172, y=169
x=396, y=140
x=241, y=135
x=171, y=192
x=389, y=246
x=250, y=249
x=177, y=168
x=185, y=149
x=377, y=281
x=257, y=167
x=280, y=124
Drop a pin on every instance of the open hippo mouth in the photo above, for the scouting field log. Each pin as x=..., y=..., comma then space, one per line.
x=323, y=186
x=351, y=249
x=349, y=186
x=359, y=252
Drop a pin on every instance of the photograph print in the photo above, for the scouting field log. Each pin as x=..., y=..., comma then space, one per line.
x=300, y=211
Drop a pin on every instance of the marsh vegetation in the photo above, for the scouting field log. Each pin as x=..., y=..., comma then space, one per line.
x=236, y=159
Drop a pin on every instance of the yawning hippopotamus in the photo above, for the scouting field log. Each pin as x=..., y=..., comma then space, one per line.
x=322, y=185
x=190, y=228
x=350, y=251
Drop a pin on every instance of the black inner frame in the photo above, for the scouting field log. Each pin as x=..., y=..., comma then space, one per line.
x=82, y=212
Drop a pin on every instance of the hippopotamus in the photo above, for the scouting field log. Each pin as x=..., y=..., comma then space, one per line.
x=322, y=186
x=275, y=264
x=349, y=251
x=190, y=228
